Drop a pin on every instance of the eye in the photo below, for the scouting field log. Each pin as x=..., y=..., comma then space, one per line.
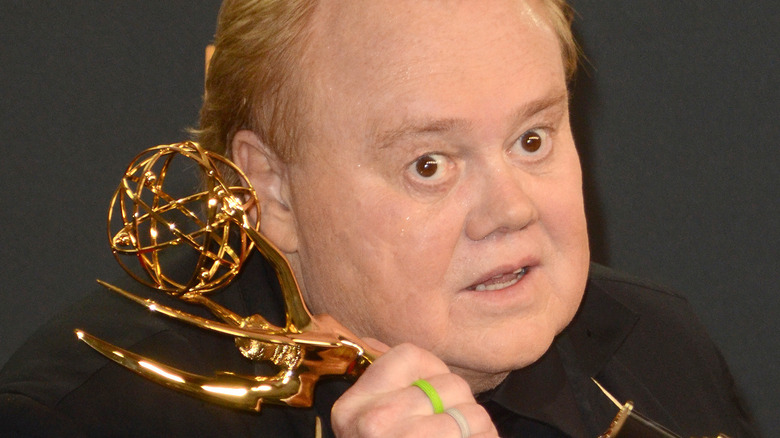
x=429, y=166
x=533, y=142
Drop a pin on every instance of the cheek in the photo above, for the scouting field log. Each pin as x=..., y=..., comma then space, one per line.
x=561, y=206
x=372, y=251
x=562, y=217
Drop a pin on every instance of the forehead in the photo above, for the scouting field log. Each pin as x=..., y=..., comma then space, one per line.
x=372, y=33
x=409, y=54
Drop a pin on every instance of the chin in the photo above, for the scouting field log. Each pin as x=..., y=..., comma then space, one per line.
x=484, y=368
x=506, y=352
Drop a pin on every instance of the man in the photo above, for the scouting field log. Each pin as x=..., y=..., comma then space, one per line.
x=414, y=162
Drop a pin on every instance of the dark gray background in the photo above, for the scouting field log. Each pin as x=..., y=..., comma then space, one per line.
x=676, y=114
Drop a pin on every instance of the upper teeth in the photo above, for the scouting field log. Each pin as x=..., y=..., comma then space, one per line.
x=518, y=274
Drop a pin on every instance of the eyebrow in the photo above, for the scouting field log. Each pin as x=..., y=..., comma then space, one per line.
x=536, y=106
x=417, y=128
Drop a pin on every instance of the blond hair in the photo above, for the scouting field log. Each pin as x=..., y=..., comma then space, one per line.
x=253, y=79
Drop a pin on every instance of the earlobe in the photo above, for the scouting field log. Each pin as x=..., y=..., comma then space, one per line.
x=268, y=175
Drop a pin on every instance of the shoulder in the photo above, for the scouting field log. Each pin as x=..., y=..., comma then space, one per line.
x=633, y=290
x=661, y=355
x=655, y=320
x=55, y=382
x=57, y=385
x=656, y=308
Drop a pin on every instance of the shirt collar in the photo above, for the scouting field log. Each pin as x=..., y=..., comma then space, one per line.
x=551, y=391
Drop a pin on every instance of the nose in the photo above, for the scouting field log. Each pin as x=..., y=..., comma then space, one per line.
x=502, y=205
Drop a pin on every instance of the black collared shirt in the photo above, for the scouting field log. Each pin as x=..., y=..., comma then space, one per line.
x=640, y=342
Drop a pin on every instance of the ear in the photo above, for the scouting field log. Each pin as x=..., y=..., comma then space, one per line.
x=268, y=174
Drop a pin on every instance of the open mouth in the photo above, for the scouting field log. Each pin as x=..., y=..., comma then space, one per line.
x=500, y=281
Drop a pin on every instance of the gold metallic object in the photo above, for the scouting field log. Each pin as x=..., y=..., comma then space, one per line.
x=629, y=423
x=215, y=224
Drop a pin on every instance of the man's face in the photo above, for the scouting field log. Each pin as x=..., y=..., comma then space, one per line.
x=437, y=198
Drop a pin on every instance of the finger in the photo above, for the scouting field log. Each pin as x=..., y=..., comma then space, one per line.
x=384, y=400
x=485, y=435
x=478, y=421
x=377, y=345
x=410, y=401
x=451, y=389
x=398, y=368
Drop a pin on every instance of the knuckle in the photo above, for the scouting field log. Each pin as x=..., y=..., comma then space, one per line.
x=408, y=352
x=460, y=384
x=368, y=427
x=482, y=416
x=420, y=358
x=480, y=420
x=339, y=417
x=375, y=422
